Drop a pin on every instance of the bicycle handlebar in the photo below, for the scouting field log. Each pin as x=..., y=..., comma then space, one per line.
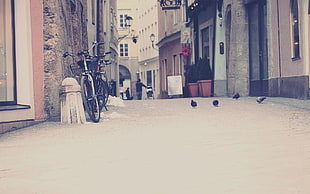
x=105, y=54
x=95, y=45
x=85, y=53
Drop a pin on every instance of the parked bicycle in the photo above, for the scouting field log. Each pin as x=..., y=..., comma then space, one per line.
x=94, y=83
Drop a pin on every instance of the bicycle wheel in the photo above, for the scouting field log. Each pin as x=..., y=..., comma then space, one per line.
x=90, y=100
x=102, y=93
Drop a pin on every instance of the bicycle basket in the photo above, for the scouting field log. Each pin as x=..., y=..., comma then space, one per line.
x=91, y=64
x=75, y=69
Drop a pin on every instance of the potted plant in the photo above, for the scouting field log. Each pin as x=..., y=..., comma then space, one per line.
x=191, y=79
x=205, y=77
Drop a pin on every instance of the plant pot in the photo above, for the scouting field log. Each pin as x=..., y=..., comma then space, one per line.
x=204, y=88
x=193, y=89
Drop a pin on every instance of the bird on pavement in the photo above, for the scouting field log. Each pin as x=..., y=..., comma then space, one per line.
x=215, y=103
x=193, y=103
x=236, y=96
x=260, y=99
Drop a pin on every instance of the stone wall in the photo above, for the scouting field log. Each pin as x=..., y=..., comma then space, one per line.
x=64, y=30
x=238, y=67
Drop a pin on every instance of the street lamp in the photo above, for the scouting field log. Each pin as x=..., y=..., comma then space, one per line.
x=152, y=37
x=127, y=25
x=128, y=21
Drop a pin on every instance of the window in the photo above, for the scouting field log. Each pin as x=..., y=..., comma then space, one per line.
x=184, y=19
x=149, y=78
x=175, y=65
x=295, y=46
x=122, y=20
x=164, y=74
x=93, y=12
x=7, y=66
x=175, y=17
x=154, y=81
x=205, y=42
x=123, y=50
x=181, y=64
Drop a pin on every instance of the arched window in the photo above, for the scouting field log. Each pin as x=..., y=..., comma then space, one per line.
x=295, y=43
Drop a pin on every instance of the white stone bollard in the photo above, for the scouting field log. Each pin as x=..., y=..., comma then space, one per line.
x=72, y=110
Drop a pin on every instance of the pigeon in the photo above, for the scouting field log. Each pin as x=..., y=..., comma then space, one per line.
x=260, y=99
x=193, y=103
x=215, y=103
x=236, y=96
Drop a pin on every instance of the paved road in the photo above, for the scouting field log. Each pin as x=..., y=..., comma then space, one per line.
x=166, y=147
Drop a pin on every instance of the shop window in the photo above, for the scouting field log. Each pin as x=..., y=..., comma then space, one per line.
x=7, y=62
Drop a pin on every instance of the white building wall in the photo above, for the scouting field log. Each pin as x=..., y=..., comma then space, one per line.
x=220, y=67
x=148, y=24
x=148, y=56
x=126, y=36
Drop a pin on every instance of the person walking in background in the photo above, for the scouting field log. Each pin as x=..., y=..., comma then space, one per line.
x=139, y=86
x=127, y=93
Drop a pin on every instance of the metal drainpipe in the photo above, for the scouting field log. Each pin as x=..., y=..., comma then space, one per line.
x=97, y=22
x=214, y=50
x=186, y=7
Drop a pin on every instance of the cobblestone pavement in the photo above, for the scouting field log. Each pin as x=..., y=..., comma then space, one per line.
x=166, y=147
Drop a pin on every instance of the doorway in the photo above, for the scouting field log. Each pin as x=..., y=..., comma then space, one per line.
x=124, y=80
x=229, y=74
x=258, y=51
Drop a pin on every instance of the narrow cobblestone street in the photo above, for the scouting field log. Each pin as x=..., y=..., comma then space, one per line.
x=166, y=147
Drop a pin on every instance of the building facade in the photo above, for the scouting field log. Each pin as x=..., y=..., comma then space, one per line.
x=21, y=59
x=127, y=43
x=171, y=60
x=275, y=55
x=34, y=34
x=72, y=26
x=148, y=51
x=260, y=47
x=107, y=32
x=65, y=30
x=289, y=60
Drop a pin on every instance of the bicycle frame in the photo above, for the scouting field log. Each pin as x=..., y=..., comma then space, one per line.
x=99, y=95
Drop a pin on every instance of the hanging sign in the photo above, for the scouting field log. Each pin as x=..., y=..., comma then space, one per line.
x=170, y=4
x=185, y=35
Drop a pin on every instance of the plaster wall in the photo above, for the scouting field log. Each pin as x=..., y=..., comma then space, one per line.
x=290, y=67
x=238, y=70
x=36, y=7
x=220, y=69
